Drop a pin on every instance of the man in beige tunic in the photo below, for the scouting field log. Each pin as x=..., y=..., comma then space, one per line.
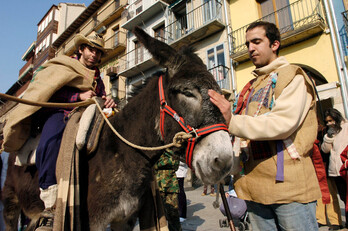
x=275, y=122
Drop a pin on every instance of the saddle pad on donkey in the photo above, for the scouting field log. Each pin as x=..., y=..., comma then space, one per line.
x=27, y=154
x=90, y=125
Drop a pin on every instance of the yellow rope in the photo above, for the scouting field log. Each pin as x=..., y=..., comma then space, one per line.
x=178, y=139
x=47, y=104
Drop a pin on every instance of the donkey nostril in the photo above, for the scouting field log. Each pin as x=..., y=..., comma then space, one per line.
x=220, y=163
x=217, y=161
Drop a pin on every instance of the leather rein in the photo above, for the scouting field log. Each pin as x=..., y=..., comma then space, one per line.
x=165, y=109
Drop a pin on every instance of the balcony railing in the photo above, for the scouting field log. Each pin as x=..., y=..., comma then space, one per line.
x=133, y=58
x=117, y=39
x=344, y=34
x=139, y=11
x=26, y=66
x=220, y=74
x=291, y=17
x=135, y=8
x=345, y=20
x=194, y=19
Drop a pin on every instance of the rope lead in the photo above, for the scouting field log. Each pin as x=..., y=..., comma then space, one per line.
x=178, y=139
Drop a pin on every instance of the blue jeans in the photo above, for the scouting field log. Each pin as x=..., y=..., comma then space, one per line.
x=292, y=216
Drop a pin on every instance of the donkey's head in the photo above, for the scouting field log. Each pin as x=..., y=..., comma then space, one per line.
x=186, y=88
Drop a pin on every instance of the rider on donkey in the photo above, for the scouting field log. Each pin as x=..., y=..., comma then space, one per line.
x=64, y=80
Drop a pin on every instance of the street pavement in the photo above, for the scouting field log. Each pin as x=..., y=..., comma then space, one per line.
x=202, y=216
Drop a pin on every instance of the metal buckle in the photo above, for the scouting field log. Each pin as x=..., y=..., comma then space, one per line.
x=194, y=132
x=163, y=105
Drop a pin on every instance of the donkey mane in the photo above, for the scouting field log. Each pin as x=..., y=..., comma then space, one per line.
x=189, y=52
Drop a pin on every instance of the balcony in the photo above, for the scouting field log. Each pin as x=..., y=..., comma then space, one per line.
x=300, y=20
x=135, y=61
x=141, y=11
x=109, y=14
x=116, y=43
x=26, y=71
x=220, y=74
x=196, y=25
x=43, y=55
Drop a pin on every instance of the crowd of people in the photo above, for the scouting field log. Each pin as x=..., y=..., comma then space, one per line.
x=273, y=121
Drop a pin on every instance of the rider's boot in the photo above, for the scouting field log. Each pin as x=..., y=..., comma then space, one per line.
x=48, y=196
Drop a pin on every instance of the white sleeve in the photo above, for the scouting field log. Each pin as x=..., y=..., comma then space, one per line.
x=290, y=109
x=326, y=146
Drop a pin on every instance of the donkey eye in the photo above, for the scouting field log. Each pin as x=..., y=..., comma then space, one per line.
x=188, y=94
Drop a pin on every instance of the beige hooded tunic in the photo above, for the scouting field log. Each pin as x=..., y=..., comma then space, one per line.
x=50, y=77
x=293, y=116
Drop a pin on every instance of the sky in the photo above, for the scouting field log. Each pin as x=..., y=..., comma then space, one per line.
x=18, y=23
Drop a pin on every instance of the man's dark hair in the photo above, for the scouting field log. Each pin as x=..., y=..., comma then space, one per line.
x=336, y=116
x=272, y=32
x=77, y=51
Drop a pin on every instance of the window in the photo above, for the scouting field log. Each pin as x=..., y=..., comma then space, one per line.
x=117, y=4
x=216, y=65
x=180, y=17
x=209, y=10
x=114, y=88
x=46, y=22
x=159, y=33
x=138, y=6
x=95, y=20
x=277, y=12
x=50, y=16
x=138, y=52
x=116, y=37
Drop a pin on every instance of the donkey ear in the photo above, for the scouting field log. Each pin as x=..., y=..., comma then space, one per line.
x=164, y=54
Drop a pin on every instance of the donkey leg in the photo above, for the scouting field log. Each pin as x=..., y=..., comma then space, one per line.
x=127, y=225
x=11, y=209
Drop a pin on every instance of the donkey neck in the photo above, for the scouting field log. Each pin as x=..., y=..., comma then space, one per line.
x=138, y=120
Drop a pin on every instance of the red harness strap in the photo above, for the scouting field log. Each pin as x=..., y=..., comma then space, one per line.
x=187, y=128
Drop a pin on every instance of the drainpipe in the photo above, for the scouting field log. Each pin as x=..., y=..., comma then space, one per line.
x=230, y=49
x=337, y=46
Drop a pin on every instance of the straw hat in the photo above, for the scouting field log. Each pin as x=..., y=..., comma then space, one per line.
x=94, y=40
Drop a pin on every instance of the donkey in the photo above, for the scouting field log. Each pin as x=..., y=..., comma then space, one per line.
x=118, y=173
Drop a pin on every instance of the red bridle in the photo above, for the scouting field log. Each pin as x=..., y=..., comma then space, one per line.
x=187, y=128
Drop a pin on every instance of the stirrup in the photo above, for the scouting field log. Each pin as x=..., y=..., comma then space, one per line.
x=45, y=222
